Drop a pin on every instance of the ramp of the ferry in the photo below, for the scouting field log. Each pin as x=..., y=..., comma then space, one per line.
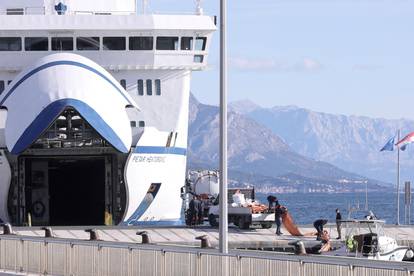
x=174, y=251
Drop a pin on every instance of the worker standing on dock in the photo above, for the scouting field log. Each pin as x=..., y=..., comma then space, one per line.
x=338, y=223
x=200, y=210
x=279, y=211
x=194, y=209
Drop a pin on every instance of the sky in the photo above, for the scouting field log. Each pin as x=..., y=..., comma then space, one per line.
x=352, y=57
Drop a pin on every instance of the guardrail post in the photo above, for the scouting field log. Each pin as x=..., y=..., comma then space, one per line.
x=351, y=270
x=145, y=237
x=302, y=268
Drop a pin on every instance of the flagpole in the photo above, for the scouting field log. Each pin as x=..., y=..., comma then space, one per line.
x=398, y=181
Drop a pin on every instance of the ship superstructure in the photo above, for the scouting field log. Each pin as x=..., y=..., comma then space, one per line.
x=94, y=110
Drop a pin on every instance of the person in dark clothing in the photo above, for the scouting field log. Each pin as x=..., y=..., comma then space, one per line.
x=318, y=224
x=194, y=207
x=200, y=209
x=338, y=223
x=191, y=211
x=278, y=218
x=272, y=202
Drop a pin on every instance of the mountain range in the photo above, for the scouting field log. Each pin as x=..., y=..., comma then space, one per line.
x=258, y=155
x=352, y=143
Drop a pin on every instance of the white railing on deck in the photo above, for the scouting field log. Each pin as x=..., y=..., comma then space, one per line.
x=101, y=12
x=42, y=10
x=26, y=10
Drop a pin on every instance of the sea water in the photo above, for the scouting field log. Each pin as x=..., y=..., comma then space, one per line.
x=308, y=207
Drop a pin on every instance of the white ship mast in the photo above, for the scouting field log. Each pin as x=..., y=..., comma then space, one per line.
x=199, y=8
x=144, y=6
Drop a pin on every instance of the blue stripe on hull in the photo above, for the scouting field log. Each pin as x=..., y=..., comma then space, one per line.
x=57, y=63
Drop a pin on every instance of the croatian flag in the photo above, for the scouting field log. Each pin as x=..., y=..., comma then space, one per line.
x=404, y=142
x=389, y=145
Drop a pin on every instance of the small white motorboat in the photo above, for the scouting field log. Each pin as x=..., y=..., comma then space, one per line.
x=366, y=239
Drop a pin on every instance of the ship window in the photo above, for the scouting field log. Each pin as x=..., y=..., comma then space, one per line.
x=133, y=124
x=149, y=87
x=140, y=86
x=141, y=124
x=198, y=58
x=157, y=87
x=9, y=81
x=141, y=43
x=167, y=43
x=15, y=11
x=186, y=43
x=123, y=83
x=87, y=43
x=114, y=43
x=10, y=44
x=2, y=86
x=36, y=43
x=200, y=44
x=62, y=43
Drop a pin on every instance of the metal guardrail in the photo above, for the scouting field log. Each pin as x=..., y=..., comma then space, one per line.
x=55, y=256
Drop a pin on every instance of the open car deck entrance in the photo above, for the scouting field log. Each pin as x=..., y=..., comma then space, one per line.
x=69, y=176
x=66, y=191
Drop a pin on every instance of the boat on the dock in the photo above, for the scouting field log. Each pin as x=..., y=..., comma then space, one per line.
x=366, y=238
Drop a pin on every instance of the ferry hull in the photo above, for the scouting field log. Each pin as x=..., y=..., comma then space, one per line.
x=72, y=154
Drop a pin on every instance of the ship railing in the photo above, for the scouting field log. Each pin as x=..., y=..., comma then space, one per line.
x=42, y=11
x=172, y=13
x=23, y=11
x=102, y=12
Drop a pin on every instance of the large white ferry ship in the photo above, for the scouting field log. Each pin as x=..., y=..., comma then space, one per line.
x=94, y=110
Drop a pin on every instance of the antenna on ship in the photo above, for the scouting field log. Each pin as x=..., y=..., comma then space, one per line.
x=144, y=6
x=199, y=9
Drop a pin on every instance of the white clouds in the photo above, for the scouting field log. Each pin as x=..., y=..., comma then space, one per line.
x=257, y=64
x=261, y=64
x=309, y=64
